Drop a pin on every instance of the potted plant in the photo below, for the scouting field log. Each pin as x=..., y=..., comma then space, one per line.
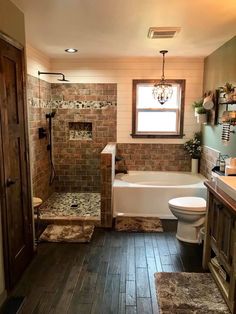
x=193, y=147
x=228, y=89
x=197, y=104
x=201, y=115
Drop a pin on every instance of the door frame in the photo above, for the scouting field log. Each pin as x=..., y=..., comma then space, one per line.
x=8, y=287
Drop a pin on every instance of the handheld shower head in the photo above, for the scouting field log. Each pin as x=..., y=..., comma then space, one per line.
x=51, y=114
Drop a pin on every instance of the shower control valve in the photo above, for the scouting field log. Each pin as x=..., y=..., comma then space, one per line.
x=42, y=133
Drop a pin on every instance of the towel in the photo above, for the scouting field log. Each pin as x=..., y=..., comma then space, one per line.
x=225, y=137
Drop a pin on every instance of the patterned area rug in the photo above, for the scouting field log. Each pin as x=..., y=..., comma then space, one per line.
x=71, y=205
x=138, y=224
x=67, y=233
x=189, y=293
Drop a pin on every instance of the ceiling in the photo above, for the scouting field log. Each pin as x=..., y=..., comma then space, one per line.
x=118, y=28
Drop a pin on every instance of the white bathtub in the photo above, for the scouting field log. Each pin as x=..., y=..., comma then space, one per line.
x=146, y=193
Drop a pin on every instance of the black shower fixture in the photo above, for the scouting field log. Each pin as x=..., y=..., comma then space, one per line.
x=63, y=79
x=50, y=115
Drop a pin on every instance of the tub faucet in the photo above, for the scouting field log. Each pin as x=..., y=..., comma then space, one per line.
x=124, y=171
x=118, y=158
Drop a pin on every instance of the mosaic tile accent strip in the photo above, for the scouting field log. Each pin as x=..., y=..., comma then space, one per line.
x=189, y=293
x=60, y=104
x=71, y=205
x=67, y=233
x=76, y=135
x=138, y=224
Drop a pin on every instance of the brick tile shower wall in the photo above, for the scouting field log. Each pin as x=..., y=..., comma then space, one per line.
x=153, y=157
x=77, y=161
x=38, y=147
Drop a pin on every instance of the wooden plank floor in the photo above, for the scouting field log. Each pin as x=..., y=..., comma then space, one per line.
x=112, y=274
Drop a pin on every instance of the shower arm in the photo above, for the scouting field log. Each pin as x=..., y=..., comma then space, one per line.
x=54, y=73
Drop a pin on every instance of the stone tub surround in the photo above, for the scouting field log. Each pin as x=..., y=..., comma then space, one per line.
x=209, y=157
x=40, y=163
x=107, y=177
x=154, y=157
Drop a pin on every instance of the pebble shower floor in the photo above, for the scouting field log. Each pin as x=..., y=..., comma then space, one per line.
x=71, y=205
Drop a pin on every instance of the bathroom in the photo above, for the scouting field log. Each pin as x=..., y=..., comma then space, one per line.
x=94, y=177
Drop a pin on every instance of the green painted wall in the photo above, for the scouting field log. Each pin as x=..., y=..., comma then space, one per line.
x=219, y=68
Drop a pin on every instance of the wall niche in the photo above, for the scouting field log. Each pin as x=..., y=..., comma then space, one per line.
x=80, y=131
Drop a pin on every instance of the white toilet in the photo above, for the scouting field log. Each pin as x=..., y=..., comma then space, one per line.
x=190, y=212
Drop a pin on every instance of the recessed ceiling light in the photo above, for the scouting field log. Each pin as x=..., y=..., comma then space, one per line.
x=71, y=50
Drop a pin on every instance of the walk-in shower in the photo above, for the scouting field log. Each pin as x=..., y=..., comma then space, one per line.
x=64, y=203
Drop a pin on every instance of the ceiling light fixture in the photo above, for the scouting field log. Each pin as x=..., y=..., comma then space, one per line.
x=162, y=91
x=71, y=50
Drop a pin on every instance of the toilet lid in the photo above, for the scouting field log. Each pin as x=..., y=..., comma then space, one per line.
x=189, y=203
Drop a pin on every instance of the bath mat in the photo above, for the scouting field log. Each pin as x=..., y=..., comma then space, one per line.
x=67, y=233
x=138, y=224
x=189, y=293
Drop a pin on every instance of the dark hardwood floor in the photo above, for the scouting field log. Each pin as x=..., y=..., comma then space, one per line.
x=112, y=274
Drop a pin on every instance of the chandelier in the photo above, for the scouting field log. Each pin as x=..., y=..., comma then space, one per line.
x=162, y=91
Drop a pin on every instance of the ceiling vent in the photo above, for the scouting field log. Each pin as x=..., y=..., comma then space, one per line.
x=163, y=32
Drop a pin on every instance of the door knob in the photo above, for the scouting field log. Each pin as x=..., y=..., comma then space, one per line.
x=10, y=181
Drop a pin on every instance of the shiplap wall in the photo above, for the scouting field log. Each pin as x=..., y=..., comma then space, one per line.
x=37, y=61
x=122, y=71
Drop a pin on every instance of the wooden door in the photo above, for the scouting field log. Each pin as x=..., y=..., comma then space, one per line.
x=15, y=187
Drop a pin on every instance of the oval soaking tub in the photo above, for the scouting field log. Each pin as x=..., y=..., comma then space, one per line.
x=146, y=193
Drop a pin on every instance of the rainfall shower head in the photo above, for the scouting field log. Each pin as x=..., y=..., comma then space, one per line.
x=63, y=79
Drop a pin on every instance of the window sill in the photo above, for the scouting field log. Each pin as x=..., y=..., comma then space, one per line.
x=156, y=136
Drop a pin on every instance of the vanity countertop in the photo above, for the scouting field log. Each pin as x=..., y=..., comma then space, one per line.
x=221, y=195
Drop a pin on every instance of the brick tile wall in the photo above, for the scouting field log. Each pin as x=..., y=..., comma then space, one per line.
x=107, y=178
x=153, y=157
x=77, y=162
x=208, y=161
x=38, y=147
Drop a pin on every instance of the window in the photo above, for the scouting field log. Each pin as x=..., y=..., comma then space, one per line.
x=150, y=118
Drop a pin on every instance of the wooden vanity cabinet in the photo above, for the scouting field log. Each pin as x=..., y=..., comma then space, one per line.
x=220, y=241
